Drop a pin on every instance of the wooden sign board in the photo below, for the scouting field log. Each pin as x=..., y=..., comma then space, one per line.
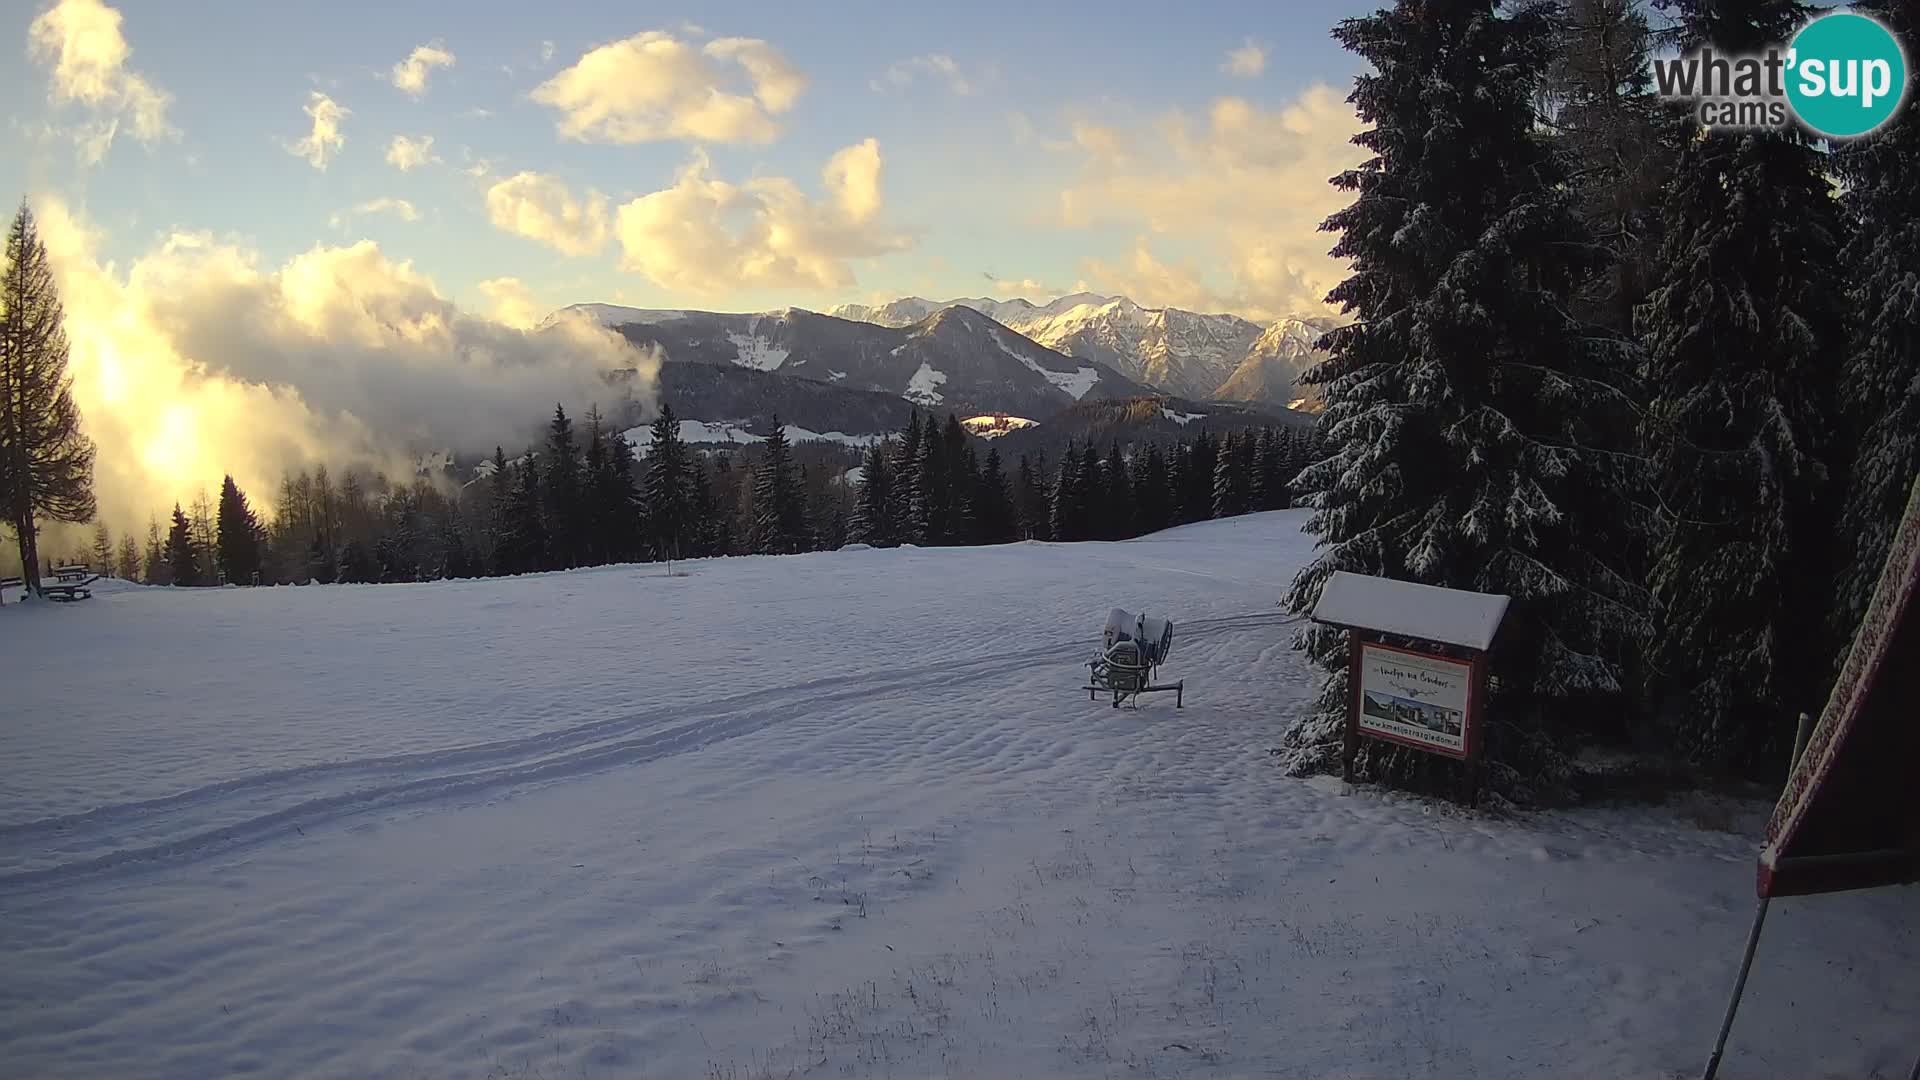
x=1416, y=699
x=1429, y=698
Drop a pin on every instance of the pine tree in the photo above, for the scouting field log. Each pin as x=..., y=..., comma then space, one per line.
x=127, y=561
x=520, y=541
x=1880, y=384
x=1470, y=421
x=669, y=490
x=157, y=569
x=565, y=517
x=957, y=480
x=1034, y=500
x=598, y=497
x=720, y=513
x=1198, y=465
x=102, y=549
x=499, y=519
x=779, y=511
x=1069, y=514
x=873, y=507
x=321, y=566
x=1232, y=476
x=1742, y=328
x=183, y=555
x=993, y=502
x=46, y=462
x=239, y=534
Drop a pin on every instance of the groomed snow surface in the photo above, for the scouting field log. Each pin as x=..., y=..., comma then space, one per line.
x=841, y=814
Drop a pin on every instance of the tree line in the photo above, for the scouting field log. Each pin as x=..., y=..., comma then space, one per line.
x=1657, y=384
x=584, y=498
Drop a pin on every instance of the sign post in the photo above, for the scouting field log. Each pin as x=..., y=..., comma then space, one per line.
x=1429, y=695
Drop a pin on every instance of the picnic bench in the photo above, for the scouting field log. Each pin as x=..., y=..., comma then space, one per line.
x=70, y=583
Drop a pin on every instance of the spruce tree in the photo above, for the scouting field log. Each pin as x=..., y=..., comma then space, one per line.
x=929, y=511
x=321, y=566
x=779, y=512
x=622, y=500
x=669, y=490
x=961, y=472
x=1197, y=477
x=1116, y=496
x=1469, y=418
x=560, y=487
x=46, y=462
x=1152, y=496
x=873, y=507
x=598, y=497
x=239, y=534
x=1033, y=501
x=1880, y=384
x=1742, y=328
x=905, y=482
x=183, y=555
x=1069, y=512
x=993, y=502
x=1231, y=476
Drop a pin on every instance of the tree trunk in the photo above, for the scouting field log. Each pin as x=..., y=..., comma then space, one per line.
x=29, y=551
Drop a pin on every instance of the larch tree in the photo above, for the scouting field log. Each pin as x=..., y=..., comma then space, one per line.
x=46, y=461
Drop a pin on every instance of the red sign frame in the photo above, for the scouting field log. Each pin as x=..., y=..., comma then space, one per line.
x=1471, y=737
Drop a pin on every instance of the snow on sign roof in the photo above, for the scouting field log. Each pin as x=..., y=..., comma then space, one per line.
x=1451, y=616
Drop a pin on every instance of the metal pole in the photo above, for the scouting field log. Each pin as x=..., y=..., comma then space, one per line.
x=1739, y=986
x=1915, y=1074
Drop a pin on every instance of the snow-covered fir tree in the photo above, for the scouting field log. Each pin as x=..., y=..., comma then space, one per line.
x=1468, y=420
x=1880, y=384
x=668, y=504
x=1743, y=330
x=873, y=506
x=779, y=503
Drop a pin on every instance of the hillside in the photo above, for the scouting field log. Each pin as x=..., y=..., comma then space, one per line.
x=840, y=814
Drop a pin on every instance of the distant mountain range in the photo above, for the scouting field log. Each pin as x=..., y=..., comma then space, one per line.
x=1198, y=356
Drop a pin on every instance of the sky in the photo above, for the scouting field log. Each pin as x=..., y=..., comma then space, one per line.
x=232, y=193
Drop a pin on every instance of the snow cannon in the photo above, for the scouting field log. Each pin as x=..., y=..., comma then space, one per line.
x=1132, y=648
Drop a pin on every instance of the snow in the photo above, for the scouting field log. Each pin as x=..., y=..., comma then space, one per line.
x=922, y=387
x=615, y=316
x=1074, y=384
x=1181, y=418
x=756, y=352
x=514, y=828
x=835, y=376
x=1453, y=616
x=727, y=433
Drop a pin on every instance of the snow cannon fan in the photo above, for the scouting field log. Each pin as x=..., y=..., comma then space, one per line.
x=1132, y=648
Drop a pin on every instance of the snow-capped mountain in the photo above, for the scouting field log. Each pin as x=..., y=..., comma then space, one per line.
x=954, y=359
x=1012, y=313
x=614, y=316
x=1275, y=362
x=1192, y=354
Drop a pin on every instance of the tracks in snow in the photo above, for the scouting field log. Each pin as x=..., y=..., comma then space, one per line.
x=206, y=820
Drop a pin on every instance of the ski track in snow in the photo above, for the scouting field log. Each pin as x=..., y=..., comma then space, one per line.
x=841, y=814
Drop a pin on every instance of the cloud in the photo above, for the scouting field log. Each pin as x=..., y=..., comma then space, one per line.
x=940, y=66
x=653, y=86
x=82, y=40
x=513, y=304
x=1027, y=287
x=707, y=236
x=325, y=139
x=540, y=207
x=400, y=208
x=1248, y=185
x=409, y=152
x=201, y=359
x=411, y=74
x=1245, y=62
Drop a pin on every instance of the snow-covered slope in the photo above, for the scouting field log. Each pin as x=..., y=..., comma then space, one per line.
x=1191, y=354
x=842, y=814
x=1274, y=363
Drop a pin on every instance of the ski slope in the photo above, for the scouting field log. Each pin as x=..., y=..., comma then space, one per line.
x=840, y=814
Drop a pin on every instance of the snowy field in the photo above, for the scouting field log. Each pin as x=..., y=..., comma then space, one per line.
x=840, y=814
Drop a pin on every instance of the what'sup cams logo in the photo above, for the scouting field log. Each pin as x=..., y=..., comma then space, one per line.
x=1843, y=75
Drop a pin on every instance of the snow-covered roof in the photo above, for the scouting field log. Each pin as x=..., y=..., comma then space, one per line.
x=1451, y=616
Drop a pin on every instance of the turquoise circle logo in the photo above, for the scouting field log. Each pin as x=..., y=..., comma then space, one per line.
x=1846, y=75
